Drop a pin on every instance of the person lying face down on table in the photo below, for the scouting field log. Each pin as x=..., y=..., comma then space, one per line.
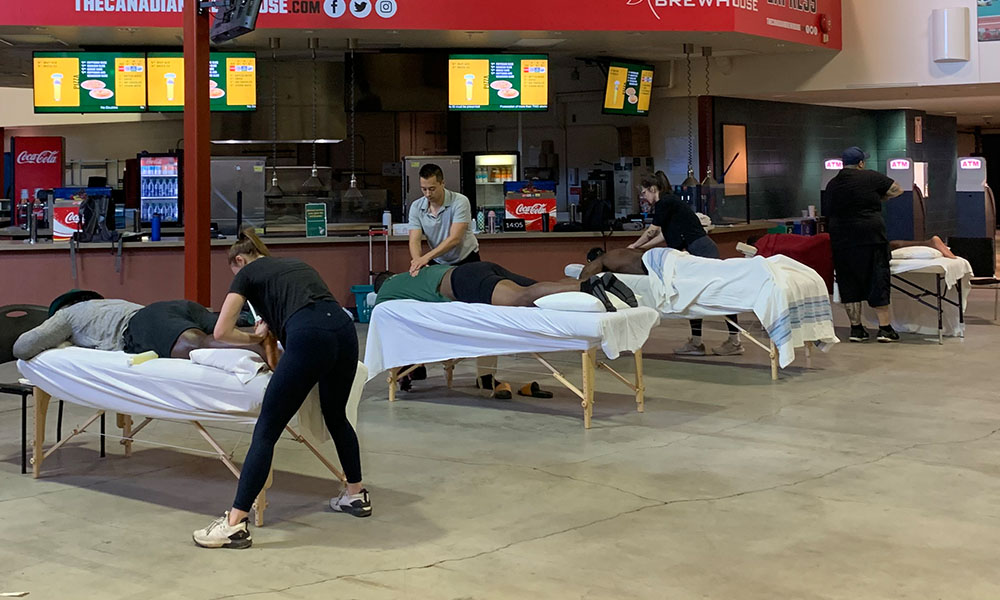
x=172, y=328
x=489, y=283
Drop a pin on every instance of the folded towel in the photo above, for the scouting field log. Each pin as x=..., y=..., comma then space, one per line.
x=244, y=364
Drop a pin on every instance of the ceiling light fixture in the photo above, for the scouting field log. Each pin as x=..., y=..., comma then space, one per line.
x=353, y=194
x=275, y=190
x=690, y=182
x=313, y=185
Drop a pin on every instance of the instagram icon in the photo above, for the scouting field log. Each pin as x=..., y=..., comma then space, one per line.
x=385, y=8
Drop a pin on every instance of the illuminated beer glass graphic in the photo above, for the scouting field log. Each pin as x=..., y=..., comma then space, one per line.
x=618, y=86
x=470, y=79
x=170, y=79
x=57, y=87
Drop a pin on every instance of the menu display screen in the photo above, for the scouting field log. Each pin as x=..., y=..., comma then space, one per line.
x=232, y=79
x=629, y=90
x=89, y=82
x=498, y=82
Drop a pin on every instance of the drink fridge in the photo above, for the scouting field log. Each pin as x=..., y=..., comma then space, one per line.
x=484, y=174
x=161, y=188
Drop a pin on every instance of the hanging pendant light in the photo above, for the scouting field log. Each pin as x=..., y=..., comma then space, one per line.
x=690, y=182
x=275, y=190
x=353, y=194
x=708, y=182
x=313, y=185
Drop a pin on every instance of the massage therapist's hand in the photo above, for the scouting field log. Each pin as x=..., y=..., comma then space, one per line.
x=416, y=264
x=261, y=329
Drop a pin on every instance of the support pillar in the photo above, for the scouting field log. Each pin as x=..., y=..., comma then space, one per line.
x=197, y=157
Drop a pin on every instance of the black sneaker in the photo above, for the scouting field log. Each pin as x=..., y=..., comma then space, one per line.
x=859, y=334
x=887, y=335
x=616, y=287
x=358, y=504
x=595, y=287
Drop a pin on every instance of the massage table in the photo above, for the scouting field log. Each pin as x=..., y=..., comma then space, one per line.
x=166, y=389
x=408, y=332
x=790, y=299
x=926, y=283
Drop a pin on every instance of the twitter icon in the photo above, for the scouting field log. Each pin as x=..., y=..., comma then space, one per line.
x=360, y=8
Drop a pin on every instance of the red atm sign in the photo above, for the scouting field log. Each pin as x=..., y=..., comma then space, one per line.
x=834, y=164
x=971, y=164
x=900, y=164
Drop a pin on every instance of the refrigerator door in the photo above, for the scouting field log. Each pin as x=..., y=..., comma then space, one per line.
x=450, y=165
x=160, y=188
x=485, y=174
x=229, y=177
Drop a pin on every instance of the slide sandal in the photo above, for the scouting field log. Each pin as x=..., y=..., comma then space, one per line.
x=533, y=390
x=502, y=391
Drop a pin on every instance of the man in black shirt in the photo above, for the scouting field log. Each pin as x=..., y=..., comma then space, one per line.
x=860, y=245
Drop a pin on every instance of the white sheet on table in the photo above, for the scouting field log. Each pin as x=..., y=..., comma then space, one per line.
x=908, y=315
x=403, y=332
x=167, y=388
x=789, y=298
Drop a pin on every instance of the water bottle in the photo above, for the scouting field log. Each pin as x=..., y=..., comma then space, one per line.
x=491, y=222
x=387, y=221
x=155, y=234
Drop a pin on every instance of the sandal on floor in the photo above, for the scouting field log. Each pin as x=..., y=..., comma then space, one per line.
x=533, y=390
x=502, y=391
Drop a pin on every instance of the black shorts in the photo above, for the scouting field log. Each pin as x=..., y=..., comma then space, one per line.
x=474, y=282
x=158, y=326
x=863, y=273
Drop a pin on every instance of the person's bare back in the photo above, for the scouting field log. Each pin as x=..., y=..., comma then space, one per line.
x=619, y=260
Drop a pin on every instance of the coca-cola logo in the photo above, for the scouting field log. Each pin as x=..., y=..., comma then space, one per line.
x=45, y=157
x=532, y=209
x=73, y=217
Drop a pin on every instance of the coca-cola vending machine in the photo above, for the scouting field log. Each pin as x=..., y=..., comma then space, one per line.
x=39, y=163
x=533, y=202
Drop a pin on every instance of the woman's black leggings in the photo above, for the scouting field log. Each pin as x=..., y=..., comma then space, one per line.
x=321, y=346
x=697, y=323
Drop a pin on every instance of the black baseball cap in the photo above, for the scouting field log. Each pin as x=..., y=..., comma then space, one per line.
x=854, y=155
x=72, y=297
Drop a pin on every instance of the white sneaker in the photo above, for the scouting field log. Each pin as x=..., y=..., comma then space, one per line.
x=220, y=534
x=358, y=504
x=690, y=349
x=729, y=348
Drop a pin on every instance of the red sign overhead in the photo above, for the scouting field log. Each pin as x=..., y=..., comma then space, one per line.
x=811, y=22
x=971, y=164
x=899, y=164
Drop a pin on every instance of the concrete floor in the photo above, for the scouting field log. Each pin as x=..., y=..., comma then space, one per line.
x=874, y=475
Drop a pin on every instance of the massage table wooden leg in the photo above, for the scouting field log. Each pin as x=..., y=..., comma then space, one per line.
x=809, y=355
x=393, y=378
x=42, y=399
x=449, y=372
x=302, y=440
x=773, y=353
x=260, y=504
x=640, y=392
x=125, y=424
x=589, y=360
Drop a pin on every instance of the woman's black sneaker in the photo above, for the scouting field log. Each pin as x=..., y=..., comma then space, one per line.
x=859, y=334
x=887, y=335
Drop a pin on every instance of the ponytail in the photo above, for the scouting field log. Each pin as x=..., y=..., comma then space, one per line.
x=659, y=181
x=247, y=243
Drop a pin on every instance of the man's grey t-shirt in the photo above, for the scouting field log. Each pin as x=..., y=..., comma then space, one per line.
x=92, y=324
x=456, y=209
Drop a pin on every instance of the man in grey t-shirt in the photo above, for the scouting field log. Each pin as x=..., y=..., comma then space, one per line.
x=444, y=217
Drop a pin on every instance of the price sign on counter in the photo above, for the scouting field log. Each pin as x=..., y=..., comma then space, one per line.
x=316, y=219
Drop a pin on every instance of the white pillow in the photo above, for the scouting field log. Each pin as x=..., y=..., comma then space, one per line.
x=245, y=364
x=573, y=270
x=571, y=301
x=916, y=253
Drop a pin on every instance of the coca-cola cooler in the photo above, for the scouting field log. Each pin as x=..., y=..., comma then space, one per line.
x=533, y=202
x=39, y=164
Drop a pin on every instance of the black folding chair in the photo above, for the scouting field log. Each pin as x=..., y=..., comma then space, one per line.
x=981, y=254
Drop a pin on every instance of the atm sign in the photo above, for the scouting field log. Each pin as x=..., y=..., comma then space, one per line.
x=899, y=164
x=834, y=164
x=971, y=164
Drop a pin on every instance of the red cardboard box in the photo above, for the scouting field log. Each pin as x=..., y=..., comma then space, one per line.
x=532, y=210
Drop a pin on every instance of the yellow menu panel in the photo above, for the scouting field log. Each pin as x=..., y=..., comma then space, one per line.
x=57, y=82
x=645, y=89
x=130, y=81
x=535, y=82
x=469, y=82
x=614, y=96
x=241, y=81
x=166, y=81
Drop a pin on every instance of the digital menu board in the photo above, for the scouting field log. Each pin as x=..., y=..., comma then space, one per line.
x=232, y=79
x=89, y=82
x=498, y=82
x=629, y=89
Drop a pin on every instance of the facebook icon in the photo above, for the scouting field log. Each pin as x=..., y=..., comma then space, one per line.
x=335, y=8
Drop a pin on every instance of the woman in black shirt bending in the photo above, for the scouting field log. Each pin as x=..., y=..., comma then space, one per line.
x=321, y=346
x=677, y=226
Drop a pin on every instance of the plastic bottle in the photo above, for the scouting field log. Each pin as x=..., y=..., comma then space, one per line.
x=155, y=233
x=387, y=220
x=491, y=222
